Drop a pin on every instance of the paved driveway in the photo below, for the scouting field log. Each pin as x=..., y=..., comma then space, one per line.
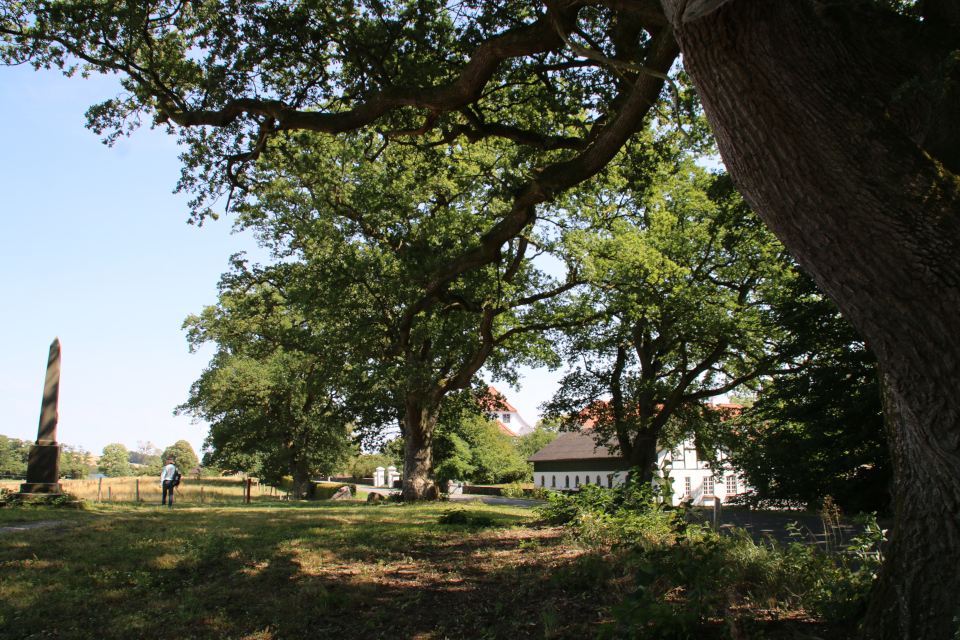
x=764, y=525
x=499, y=500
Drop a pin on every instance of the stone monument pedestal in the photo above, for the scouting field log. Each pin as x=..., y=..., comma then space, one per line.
x=43, y=470
x=43, y=466
x=39, y=489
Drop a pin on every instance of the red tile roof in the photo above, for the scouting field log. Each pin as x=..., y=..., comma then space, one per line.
x=507, y=430
x=499, y=404
x=600, y=406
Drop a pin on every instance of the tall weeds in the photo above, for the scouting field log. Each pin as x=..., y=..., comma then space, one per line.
x=687, y=575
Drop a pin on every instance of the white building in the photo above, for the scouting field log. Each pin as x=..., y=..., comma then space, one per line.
x=506, y=415
x=574, y=459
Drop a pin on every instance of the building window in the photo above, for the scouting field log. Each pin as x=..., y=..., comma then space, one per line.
x=686, y=487
x=553, y=482
x=506, y=418
x=576, y=482
x=543, y=481
x=731, y=485
x=598, y=482
x=708, y=486
x=568, y=483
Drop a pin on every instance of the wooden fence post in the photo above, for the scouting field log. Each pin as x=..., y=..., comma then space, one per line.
x=99, y=489
x=138, y=490
x=109, y=494
x=249, y=484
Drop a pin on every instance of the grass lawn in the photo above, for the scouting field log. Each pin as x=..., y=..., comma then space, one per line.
x=277, y=569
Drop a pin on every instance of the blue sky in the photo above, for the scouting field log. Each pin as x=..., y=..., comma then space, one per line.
x=95, y=249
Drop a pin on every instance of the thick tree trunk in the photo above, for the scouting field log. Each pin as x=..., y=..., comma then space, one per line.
x=300, y=473
x=800, y=102
x=418, y=426
x=643, y=454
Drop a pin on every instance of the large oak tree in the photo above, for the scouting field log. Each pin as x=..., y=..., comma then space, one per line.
x=837, y=120
x=359, y=232
x=682, y=274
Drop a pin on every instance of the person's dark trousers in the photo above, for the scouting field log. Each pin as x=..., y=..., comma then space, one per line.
x=167, y=488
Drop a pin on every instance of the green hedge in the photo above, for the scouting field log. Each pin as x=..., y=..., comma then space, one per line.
x=325, y=491
x=318, y=490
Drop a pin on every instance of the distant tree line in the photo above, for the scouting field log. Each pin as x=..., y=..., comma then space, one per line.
x=116, y=461
x=75, y=462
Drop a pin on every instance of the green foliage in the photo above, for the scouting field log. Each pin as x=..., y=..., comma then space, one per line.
x=114, y=463
x=14, y=454
x=322, y=491
x=630, y=511
x=364, y=466
x=695, y=564
x=183, y=456
x=683, y=271
x=143, y=459
x=211, y=471
x=11, y=498
x=818, y=431
x=513, y=490
x=517, y=490
x=474, y=449
x=272, y=411
x=529, y=443
x=704, y=571
x=687, y=574
x=537, y=493
x=463, y=517
x=154, y=468
x=351, y=303
x=411, y=263
x=73, y=462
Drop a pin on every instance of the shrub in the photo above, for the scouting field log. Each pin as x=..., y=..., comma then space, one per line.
x=323, y=491
x=12, y=499
x=703, y=572
x=598, y=515
x=462, y=517
x=538, y=493
x=698, y=566
x=513, y=490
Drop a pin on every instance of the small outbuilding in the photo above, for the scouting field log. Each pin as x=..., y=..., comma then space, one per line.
x=572, y=459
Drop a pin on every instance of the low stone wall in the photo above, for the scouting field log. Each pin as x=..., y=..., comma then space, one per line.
x=350, y=480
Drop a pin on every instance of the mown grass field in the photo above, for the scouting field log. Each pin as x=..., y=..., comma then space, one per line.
x=277, y=569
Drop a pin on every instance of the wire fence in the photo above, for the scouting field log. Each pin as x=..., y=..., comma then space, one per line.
x=146, y=490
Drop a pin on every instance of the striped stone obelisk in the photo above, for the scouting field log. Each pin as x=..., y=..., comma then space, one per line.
x=43, y=467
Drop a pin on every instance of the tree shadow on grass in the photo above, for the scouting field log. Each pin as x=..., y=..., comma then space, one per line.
x=280, y=572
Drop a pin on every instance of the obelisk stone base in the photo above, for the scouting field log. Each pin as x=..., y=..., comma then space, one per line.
x=43, y=470
x=40, y=488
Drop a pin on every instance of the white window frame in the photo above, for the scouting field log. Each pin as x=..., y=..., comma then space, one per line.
x=731, y=484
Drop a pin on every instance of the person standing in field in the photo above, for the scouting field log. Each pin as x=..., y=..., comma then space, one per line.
x=168, y=482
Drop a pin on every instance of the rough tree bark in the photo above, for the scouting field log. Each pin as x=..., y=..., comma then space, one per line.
x=418, y=427
x=801, y=98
